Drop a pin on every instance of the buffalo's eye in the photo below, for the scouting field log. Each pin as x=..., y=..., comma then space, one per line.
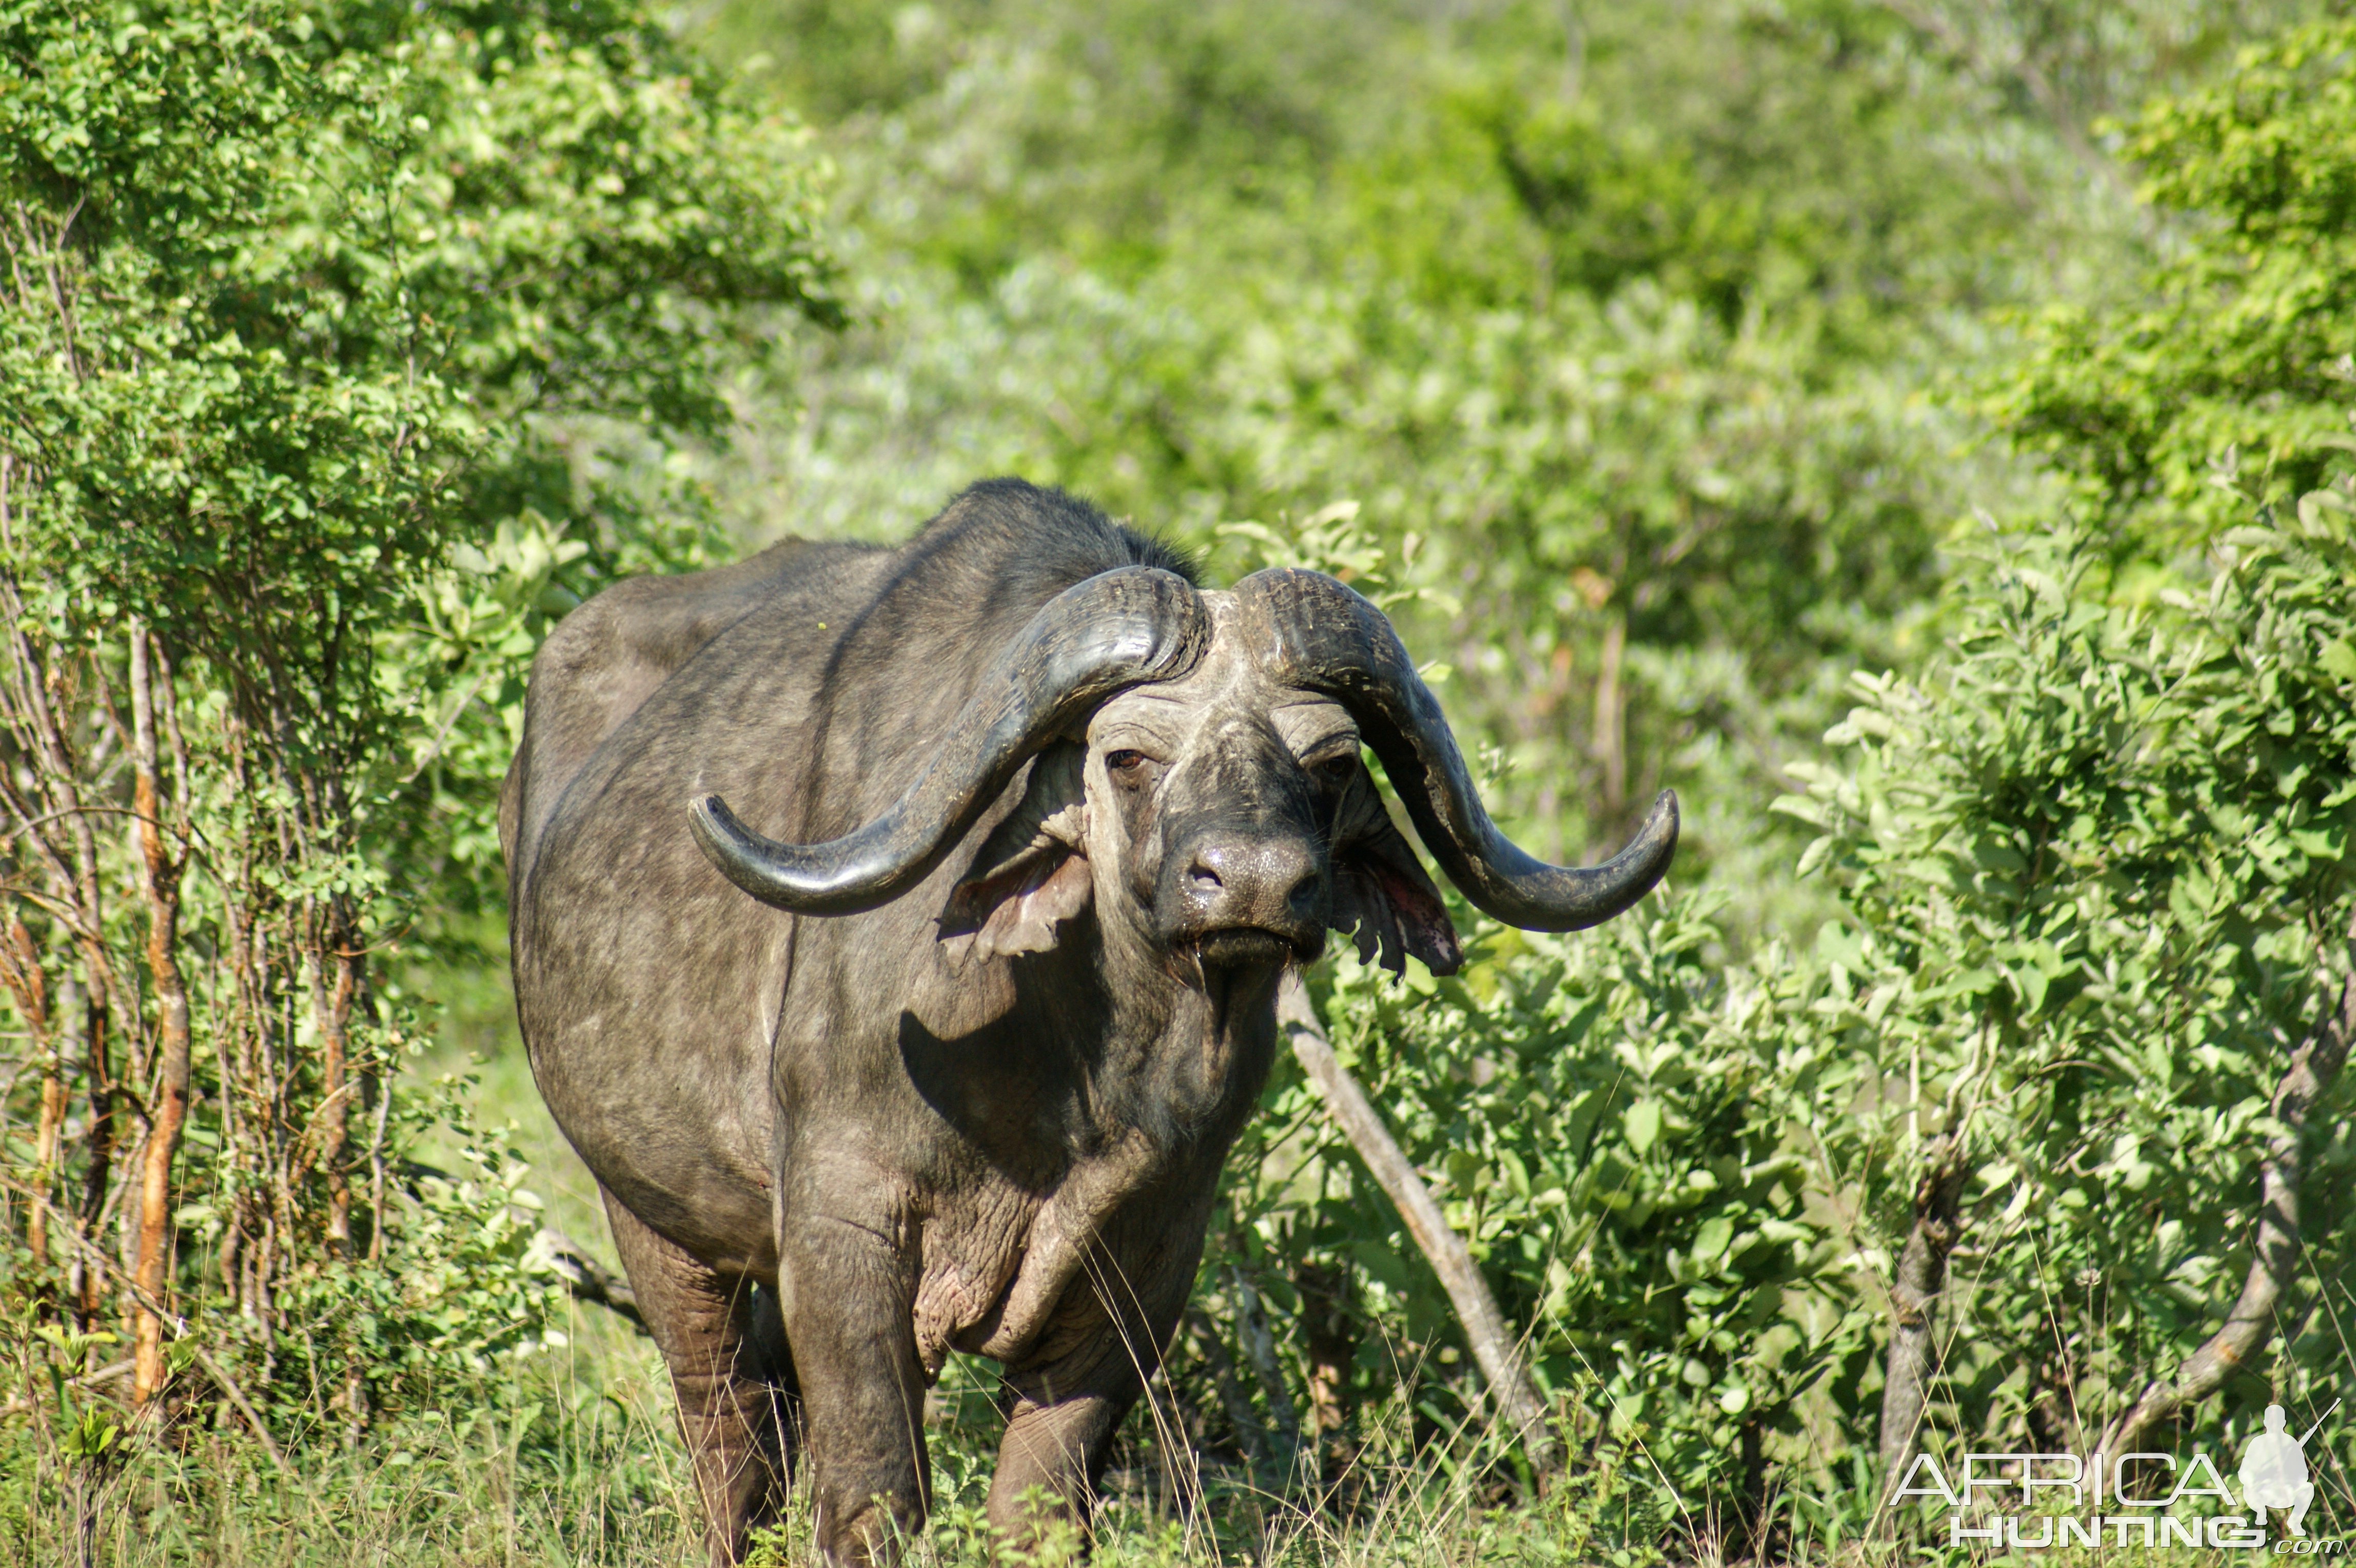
x=1129, y=769
x=1335, y=772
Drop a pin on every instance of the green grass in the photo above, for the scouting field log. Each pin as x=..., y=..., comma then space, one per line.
x=570, y=1456
x=585, y=1471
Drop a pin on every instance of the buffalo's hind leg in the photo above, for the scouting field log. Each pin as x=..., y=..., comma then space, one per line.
x=739, y=1402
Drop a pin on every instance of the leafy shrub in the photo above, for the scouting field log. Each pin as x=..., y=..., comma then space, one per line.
x=343, y=345
x=2097, y=887
x=2093, y=884
x=2232, y=361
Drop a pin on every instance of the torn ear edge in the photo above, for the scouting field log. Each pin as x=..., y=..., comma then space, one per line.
x=1387, y=904
x=1384, y=900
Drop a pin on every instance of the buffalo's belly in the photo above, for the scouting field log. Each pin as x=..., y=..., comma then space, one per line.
x=671, y=1132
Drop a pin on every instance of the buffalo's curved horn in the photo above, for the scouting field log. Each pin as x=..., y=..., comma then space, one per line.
x=1313, y=632
x=1117, y=629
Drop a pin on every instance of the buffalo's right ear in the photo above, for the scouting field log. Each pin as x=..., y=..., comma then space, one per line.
x=1017, y=908
x=1033, y=874
x=1383, y=899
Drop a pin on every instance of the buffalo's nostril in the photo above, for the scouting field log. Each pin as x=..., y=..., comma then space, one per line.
x=1273, y=884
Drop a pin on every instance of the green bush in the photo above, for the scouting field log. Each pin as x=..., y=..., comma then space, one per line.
x=343, y=346
x=2093, y=884
x=2097, y=886
x=2232, y=363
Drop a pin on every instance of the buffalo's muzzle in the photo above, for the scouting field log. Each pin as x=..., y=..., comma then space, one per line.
x=1251, y=900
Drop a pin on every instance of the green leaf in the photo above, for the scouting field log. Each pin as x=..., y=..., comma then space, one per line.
x=1711, y=1239
x=1642, y=1123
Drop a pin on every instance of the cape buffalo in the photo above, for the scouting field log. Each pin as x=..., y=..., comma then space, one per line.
x=897, y=935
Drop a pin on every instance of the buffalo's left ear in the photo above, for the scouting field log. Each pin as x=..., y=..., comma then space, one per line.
x=1032, y=876
x=1383, y=898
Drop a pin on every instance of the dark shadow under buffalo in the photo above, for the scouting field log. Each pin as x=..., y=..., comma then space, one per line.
x=898, y=931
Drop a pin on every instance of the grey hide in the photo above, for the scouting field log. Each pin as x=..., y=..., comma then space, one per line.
x=1081, y=816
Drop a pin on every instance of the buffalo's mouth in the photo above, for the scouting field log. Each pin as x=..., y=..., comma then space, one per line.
x=1246, y=950
x=1243, y=947
x=1236, y=967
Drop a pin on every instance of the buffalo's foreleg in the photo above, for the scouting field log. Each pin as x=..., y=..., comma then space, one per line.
x=848, y=1289
x=734, y=1375
x=1051, y=1460
x=1066, y=1412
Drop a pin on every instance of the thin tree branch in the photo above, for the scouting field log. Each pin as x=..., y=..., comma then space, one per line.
x=585, y=1278
x=1495, y=1348
x=159, y=882
x=2274, y=1263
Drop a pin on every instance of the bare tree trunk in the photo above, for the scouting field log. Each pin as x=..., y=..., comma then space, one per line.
x=333, y=1003
x=379, y=1096
x=20, y=966
x=1914, y=1299
x=2274, y=1260
x=160, y=883
x=98, y=1168
x=1495, y=1348
x=336, y=1079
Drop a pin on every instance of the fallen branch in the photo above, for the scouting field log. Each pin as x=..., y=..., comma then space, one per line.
x=1494, y=1349
x=585, y=1278
x=2275, y=1261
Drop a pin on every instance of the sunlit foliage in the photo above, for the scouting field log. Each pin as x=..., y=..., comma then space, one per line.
x=328, y=336
x=1912, y=429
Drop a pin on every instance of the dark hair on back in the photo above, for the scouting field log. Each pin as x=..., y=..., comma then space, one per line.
x=1059, y=532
